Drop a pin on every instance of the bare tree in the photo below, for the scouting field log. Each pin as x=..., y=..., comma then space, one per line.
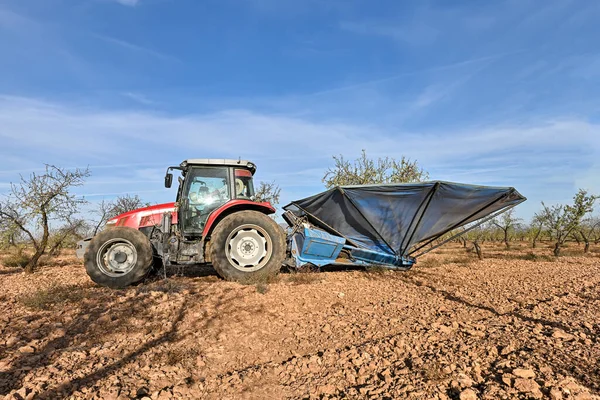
x=66, y=236
x=463, y=240
x=507, y=222
x=34, y=202
x=563, y=220
x=536, y=228
x=365, y=170
x=106, y=210
x=268, y=191
x=9, y=233
x=475, y=236
x=595, y=233
x=123, y=204
x=103, y=210
x=587, y=230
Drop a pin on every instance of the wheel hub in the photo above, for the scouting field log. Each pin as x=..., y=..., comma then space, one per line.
x=248, y=249
x=116, y=257
x=120, y=257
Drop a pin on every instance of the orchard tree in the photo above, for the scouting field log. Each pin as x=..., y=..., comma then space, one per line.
x=588, y=230
x=268, y=191
x=364, y=171
x=563, y=220
x=507, y=222
x=9, y=233
x=123, y=204
x=34, y=202
x=106, y=210
x=476, y=236
x=521, y=232
x=536, y=228
x=103, y=211
x=595, y=234
x=66, y=236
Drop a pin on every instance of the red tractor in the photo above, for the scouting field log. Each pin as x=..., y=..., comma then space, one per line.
x=215, y=219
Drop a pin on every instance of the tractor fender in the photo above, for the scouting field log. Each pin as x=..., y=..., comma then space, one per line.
x=231, y=207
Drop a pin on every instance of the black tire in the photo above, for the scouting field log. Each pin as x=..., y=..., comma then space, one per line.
x=256, y=225
x=109, y=242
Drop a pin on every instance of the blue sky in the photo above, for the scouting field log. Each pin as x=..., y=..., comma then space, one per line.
x=495, y=92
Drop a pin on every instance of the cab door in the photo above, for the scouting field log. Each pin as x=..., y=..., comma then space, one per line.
x=206, y=189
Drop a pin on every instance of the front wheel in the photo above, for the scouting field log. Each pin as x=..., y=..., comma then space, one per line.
x=247, y=246
x=118, y=257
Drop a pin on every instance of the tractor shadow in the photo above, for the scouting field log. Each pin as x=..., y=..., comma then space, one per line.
x=98, y=316
x=186, y=271
x=207, y=270
x=11, y=271
x=66, y=336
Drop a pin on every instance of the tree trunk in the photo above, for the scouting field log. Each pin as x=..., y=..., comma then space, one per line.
x=41, y=247
x=478, y=250
x=535, y=239
x=586, y=241
x=557, y=249
x=506, y=239
x=32, y=264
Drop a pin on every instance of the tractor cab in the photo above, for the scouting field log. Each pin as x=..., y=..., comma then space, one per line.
x=205, y=185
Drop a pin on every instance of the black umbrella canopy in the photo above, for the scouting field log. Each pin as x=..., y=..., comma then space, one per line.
x=393, y=218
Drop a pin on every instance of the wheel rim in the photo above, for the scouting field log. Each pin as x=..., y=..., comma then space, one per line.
x=116, y=257
x=248, y=248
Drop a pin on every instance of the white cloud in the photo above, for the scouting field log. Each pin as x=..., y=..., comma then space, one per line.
x=33, y=124
x=545, y=159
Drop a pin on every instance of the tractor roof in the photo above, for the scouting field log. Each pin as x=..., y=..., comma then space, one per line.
x=220, y=162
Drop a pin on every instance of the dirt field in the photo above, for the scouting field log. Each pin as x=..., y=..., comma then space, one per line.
x=453, y=327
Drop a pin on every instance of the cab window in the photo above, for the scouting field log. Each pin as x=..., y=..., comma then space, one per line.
x=244, y=188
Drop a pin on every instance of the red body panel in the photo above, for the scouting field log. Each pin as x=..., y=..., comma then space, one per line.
x=264, y=207
x=149, y=216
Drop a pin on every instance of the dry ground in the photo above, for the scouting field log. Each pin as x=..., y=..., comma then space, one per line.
x=515, y=325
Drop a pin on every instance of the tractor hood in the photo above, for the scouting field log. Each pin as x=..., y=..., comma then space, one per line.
x=146, y=216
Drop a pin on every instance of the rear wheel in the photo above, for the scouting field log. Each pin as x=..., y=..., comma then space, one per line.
x=118, y=257
x=247, y=246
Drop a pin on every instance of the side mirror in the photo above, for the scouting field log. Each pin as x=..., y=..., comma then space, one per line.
x=168, y=180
